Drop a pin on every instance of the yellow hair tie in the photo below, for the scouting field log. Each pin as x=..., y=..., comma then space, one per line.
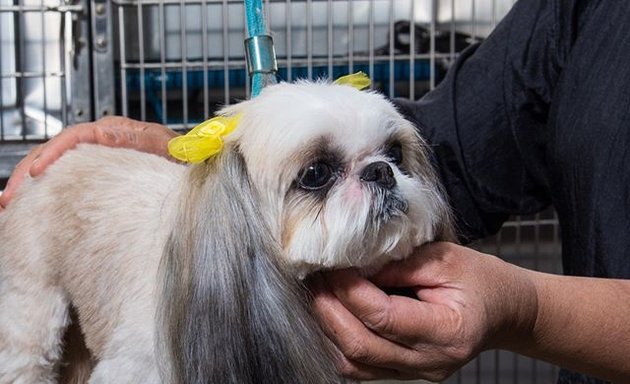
x=357, y=80
x=203, y=141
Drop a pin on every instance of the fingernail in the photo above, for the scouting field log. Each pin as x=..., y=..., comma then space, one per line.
x=33, y=170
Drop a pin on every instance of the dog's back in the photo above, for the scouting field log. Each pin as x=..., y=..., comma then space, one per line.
x=89, y=232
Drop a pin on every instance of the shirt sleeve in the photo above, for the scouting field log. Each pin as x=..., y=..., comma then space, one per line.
x=486, y=120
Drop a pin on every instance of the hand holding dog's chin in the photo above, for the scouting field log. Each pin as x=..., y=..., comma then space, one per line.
x=463, y=309
x=111, y=131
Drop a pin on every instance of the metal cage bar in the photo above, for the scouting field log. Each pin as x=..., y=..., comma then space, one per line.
x=37, y=39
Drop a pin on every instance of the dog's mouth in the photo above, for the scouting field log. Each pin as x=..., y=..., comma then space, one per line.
x=388, y=205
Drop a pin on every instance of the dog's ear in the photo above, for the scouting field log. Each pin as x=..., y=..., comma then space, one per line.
x=229, y=313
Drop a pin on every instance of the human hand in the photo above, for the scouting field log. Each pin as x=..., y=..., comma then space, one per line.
x=111, y=131
x=468, y=302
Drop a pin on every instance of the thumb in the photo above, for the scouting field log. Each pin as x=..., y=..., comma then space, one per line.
x=58, y=145
x=428, y=266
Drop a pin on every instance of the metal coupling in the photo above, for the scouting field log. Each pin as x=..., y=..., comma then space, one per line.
x=260, y=55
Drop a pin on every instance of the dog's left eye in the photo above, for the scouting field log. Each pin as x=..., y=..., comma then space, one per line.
x=316, y=176
x=395, y=153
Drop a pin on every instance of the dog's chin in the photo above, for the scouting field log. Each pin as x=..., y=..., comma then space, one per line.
x=396, y=240
x=391, y=238
x=391, y=214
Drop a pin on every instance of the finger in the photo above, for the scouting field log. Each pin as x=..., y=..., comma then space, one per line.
x=355, y=341
x=358, y=371
x=110, y=131
x=154, y=140
x=371, y=363
x=363, y=372
x=117, y=132
x=429, y=266
x=64, y=141
x=17, y=177
x=121, y=132
x=400, y=319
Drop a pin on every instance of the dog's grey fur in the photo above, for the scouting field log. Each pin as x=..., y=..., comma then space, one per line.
x=228, y=306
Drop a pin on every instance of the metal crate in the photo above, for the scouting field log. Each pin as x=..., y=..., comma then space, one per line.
x=44, y=76
x=177, y=61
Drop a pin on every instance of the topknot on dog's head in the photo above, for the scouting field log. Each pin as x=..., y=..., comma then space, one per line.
x=286, y=115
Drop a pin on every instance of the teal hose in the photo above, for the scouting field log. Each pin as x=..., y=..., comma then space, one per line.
x=256, y=27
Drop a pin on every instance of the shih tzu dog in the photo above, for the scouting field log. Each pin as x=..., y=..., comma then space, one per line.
x=193, y=274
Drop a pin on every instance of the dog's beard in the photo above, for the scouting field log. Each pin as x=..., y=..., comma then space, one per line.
x=358, y=225
x=387, y=205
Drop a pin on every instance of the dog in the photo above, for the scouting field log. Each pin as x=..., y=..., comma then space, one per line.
x=194, y=273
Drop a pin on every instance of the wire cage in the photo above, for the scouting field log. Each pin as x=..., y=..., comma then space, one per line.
x=175, y=62
x=178, y=60
x=43, y=74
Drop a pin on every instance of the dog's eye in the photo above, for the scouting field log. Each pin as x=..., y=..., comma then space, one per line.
x=316, y=176
x=395, y=153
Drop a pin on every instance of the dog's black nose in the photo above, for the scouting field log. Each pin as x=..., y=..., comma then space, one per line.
x=380, y=173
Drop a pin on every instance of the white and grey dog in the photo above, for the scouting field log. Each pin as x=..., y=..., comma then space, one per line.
x=192, y=274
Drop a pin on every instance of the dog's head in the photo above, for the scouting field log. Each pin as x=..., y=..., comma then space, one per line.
x=344, y=180
x=311, y=176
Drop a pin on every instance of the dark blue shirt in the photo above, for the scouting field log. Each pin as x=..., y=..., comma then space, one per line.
x=539, y=115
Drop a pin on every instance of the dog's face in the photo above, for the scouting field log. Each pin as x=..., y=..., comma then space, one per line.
x=344, y=179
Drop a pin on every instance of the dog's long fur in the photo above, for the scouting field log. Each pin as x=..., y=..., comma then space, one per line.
x=192, y=274
x=277, y=340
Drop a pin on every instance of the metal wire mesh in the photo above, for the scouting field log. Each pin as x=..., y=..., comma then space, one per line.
x=177, y=61
x=32, y=70
x=34, y=91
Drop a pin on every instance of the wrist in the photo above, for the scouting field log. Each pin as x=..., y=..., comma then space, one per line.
x=514, y=319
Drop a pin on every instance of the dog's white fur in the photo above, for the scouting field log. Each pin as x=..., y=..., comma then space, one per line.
x=92, y=231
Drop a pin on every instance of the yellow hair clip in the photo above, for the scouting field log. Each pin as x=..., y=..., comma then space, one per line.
x=203, y=141
x=357, y=80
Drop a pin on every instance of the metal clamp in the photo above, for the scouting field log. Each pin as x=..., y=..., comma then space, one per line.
x=260, y=55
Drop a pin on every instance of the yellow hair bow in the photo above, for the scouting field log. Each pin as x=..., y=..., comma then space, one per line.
x=203, y=141
x=357, y=80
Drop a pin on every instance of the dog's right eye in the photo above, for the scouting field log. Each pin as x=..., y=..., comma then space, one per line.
x=316, y=176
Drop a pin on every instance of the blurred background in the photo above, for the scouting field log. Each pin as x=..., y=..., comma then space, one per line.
x=175, y=62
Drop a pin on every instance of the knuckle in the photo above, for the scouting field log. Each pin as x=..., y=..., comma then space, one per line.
x=445, y=247
x=462, y=352
x=460, y=349
x=346, y=368
x=439, y=375
x=356, y=351
x=132, y=138
x=380, y=320
x=105, y=135
x=32, y=154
